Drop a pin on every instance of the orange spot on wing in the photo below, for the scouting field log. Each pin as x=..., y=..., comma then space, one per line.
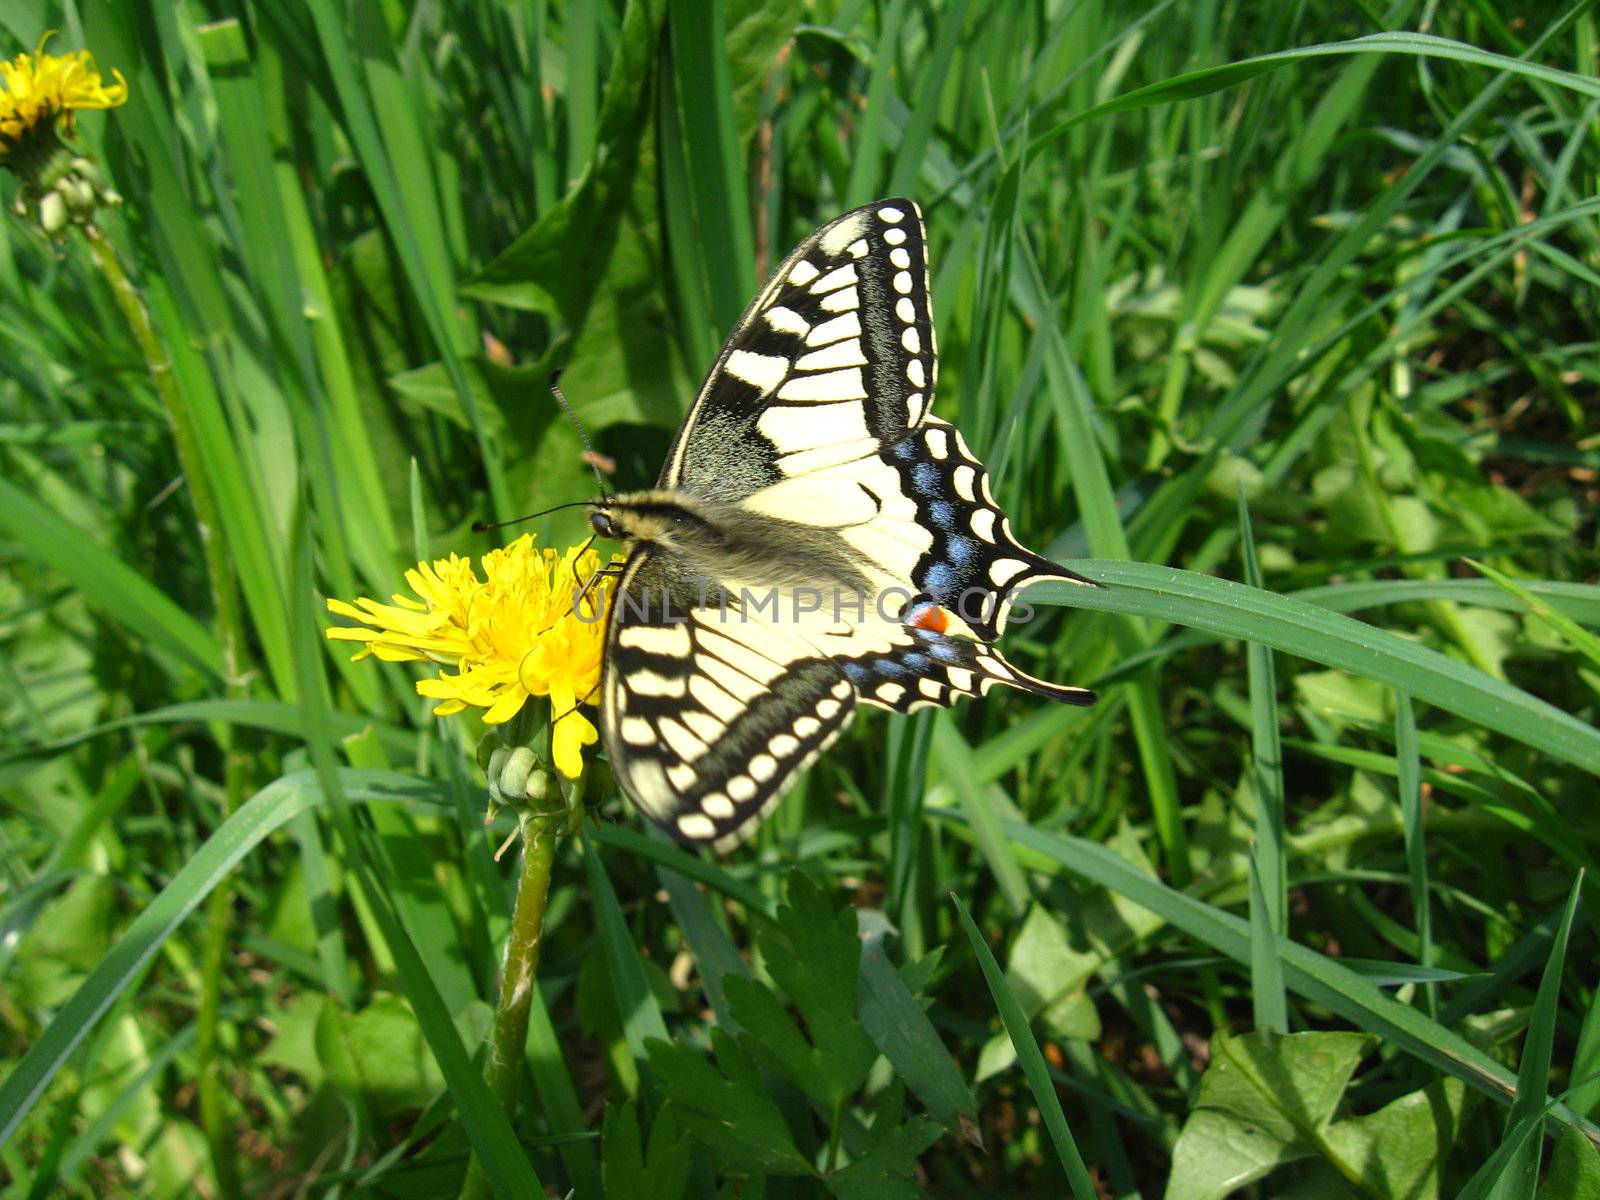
x=930, y=617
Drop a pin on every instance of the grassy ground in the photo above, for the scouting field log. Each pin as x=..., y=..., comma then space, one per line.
x=1300, y=907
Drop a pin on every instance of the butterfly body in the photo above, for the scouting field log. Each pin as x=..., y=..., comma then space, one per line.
x=817, y=540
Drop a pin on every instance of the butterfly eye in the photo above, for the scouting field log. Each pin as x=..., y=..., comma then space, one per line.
x=602, y=524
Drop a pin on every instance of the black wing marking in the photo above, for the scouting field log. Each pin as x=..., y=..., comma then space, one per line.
x=834, y=358
x=706, y=714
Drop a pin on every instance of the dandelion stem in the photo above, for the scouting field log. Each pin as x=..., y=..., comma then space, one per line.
x=507, y=1048
x=214, y=1116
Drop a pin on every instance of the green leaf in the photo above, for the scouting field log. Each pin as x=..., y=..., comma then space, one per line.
x=1574, y=1170
x=892, y=1017
x=887, y=1170
x=629, y=1168
x=1262, y=1101
x=813, y=953
x=378, y=1054
x=1400, y=1150
x=726, y=1106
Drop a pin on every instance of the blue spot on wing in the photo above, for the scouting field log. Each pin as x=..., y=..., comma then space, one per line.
x=904, y=450
x=939, y=578
x=925, y=477
x=888, y=666
x=856, y=673
x=960, y=550
x=943, y=514
x=945, y=652
x=916, y=661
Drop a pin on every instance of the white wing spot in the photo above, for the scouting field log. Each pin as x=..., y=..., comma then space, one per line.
x=828, y=709
x=835, y=330
x=786, y=320
x=911, y=340
x=801, y=426
x=763, y=767
x=742, y=787
x=930, y=688
x=996, y=669
x=697, y=827
x=706, y=727
x=960, y=678
x=858, y=248
x=843, y=300
x=938, y=444
x=636, y=731
x=914, y=408
x=899, y=255
x=905, y=310
x=827, y=388
x=963, y=480
x=684, y=744
x=894, y=236
x=713, y=699
x=655, y=639
x=902, y=282
x=802, y=273
x=891, y=693
x=914, y=371
x=891, y=214
x=651, y=683
x=840, y=689
x=807, y=727
x=841, y=233
x=983, y=524
x=761, y=371
x=717, y=805
x=1003, y=570
x=835, y=279
x=783, y=745
x=680, y=776
x=840, y=354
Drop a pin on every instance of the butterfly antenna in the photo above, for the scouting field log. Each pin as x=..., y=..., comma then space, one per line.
x=485, y=526
x=589, y=455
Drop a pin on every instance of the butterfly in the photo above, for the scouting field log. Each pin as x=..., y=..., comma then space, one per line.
x=817, y=540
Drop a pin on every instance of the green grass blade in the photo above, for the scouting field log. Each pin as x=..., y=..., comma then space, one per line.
x=1295, y=627
x=1033, y=1064
x=1533, y=1070
x=107, y=581
x=1409, y=760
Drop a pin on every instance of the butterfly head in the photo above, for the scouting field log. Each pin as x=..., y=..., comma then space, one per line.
x=663, y=519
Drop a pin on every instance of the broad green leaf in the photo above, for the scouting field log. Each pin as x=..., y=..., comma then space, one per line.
x=892, y=1017
x=887, y=1170
x=1400, y=1150
x=659, y=1171
x=1574, y=1170
x=726, y=1106
x=813, y=953
x=1262, y=1101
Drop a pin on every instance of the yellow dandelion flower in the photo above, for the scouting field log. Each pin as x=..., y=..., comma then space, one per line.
x=42, y=91
x=511, y=635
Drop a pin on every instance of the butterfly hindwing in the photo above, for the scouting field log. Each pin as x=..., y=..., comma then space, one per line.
x=707, y=715
x=923, y=668
x=833, y=359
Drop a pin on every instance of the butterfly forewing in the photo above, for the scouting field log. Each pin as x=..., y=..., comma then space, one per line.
x=835, y=357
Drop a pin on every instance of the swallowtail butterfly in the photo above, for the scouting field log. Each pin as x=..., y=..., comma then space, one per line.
x=817, y=540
